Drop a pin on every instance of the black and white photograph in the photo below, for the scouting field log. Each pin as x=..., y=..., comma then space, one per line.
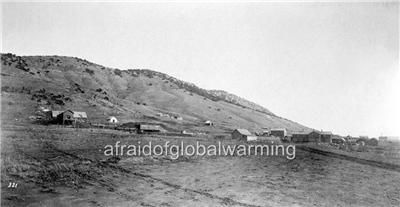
x=201, y=103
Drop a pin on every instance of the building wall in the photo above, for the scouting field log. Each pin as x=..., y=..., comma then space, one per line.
x=278, y=133
x=142, y=128
x=314, y=137
x=239, y=136
x=298, y=138
x=251, y=138
x=383, y=139
x=66, y=117
x=113, y=120
x=327, y=138
x=337, y=141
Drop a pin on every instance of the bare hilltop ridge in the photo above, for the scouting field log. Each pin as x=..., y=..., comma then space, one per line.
x=30, y=83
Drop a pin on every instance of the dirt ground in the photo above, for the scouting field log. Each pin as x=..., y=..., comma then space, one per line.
x=66, y=167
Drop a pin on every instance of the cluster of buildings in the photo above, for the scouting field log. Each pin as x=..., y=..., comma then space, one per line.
x=69, y=117
x=314, y=136
x=243, y=134
x=388, y=138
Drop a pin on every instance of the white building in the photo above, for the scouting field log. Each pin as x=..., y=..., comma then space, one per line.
x=112, y=120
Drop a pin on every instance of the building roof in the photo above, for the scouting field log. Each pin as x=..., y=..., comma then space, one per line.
x=76, y=114
x=79, y=114
x=322, y=132
x=278, y=129
x=300, y=133
x=243, y=132
x=112, y=119
x=54, y=114
x=151, y=127
x=341, y=138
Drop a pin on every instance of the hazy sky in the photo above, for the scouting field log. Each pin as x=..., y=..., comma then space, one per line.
x=331, y=66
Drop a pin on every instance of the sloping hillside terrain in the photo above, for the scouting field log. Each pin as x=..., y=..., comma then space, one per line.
x=48, y=165
x=30, y=83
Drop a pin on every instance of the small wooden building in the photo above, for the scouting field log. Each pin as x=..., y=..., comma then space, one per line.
x=208, y=123
x=54, y=114
x=68, y=117
x=320, y=136
x=241, y=134
x=351, y=139
x=372, y=142
x=112, y=119
x=80, y=115
x=338, y=140
x=326, y=136
x=278, y=132
x=383, y=139
x=300, y=137
x=149, y=128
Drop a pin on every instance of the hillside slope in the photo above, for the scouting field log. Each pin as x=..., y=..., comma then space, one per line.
x=57, y=82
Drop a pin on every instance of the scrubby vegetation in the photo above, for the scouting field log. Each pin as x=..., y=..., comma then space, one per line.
x=118, y=72
x=11, y=59
x=91, y=72
x=50, y=98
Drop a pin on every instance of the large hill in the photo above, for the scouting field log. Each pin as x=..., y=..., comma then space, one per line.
x=57, y=83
